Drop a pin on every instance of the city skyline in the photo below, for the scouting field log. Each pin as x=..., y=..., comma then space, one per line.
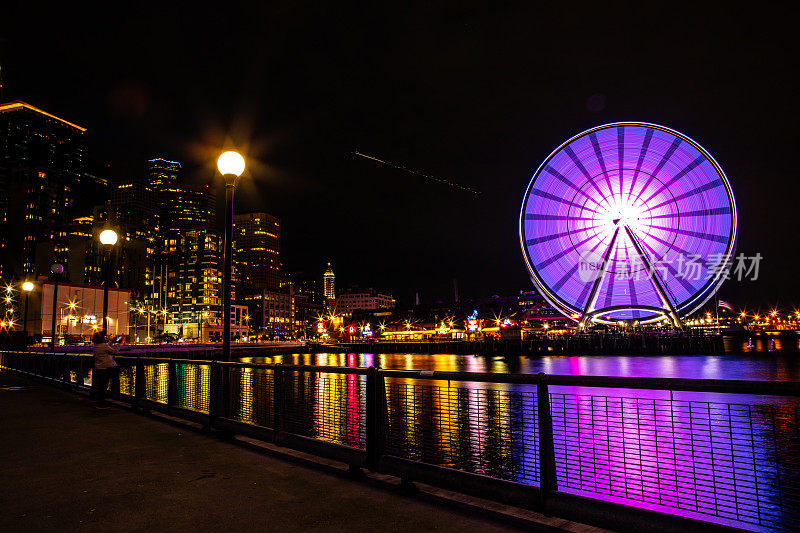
x=484, y=121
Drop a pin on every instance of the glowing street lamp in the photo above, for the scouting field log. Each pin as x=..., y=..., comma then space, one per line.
x=231, y=166
x=108, y=238
x=231, y=163
x=27, y=287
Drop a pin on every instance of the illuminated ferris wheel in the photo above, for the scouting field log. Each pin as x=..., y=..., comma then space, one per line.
x=628, y=221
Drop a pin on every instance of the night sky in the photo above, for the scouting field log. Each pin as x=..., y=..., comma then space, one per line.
x=474, y=92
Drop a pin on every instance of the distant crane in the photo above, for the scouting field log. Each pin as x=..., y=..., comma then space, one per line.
x=418, y=173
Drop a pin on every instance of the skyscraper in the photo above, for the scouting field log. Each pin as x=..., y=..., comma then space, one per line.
x=186, y=206
x=329, y=289
x=133, y=209
x=257, y=238
x=162, y=173
x=42, y=157
x=184, y=273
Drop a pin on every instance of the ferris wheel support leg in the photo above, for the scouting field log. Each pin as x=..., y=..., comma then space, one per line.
x=657, y=281
x=592, y=300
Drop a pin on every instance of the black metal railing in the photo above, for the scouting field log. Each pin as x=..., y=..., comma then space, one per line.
x=622, y=453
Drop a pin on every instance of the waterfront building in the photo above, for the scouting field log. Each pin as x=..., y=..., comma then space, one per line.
x=307, y=301
x=78, y=310
x=273, y=313
x=362, y=299
x=212, y=331
x=42, y=158
x=307, y=306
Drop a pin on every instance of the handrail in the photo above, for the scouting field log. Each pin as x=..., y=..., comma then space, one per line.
x=159, y=360
x=731, y=386
x=774, y=388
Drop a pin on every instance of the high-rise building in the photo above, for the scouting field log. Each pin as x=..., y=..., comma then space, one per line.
x=84, y=258
x=186, y=206
x=42, y=157
x=184, y=270
x=193, y=278
x=133, y=209
x=133, y=212
x=257, y=238
x=328, y=285
x=162, y=173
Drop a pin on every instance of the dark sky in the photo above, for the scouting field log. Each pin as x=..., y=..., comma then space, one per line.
x=474, y=92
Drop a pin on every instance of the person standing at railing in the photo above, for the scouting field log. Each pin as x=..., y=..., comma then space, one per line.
x=105, y=367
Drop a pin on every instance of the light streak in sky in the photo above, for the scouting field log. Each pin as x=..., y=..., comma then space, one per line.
x=418, y=173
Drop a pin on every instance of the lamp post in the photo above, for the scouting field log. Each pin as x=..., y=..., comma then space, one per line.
x=108, y=238
x=57, y=269
x=231, y=166
x=203, y=316
x=27, y=287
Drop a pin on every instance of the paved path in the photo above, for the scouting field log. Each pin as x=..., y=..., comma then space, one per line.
x=65, y=465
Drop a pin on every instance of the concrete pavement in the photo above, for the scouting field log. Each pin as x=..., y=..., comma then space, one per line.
x=65, y=465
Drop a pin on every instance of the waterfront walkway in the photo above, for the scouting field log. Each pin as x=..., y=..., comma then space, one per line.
x=65, y=465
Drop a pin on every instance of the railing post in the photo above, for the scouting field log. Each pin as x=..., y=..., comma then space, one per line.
x=225, y=393
x=66, y=369
x=138, y=383
x=547, y=455
x=376, y=417
x=213, y=393
x=277, y=399
x=115, y=384
x=172, y=384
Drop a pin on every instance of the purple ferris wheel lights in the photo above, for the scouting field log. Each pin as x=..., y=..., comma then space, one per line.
x=628, y=221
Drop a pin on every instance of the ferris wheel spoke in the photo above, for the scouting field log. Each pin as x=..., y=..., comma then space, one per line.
x=673, y=246
x=599, y=155
x=689, y=233
x=610, y=289
x=542, y=194
x=697, y=190
x=559, y=176
x=590, y=302
x=680, y=278
x=652, y=175
x=621, y=157
x=562, y=253
x=697, y=213
x=688, y=168
x=658, y=283
x=553, y=236
x=642, y=153
x=577, y=162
